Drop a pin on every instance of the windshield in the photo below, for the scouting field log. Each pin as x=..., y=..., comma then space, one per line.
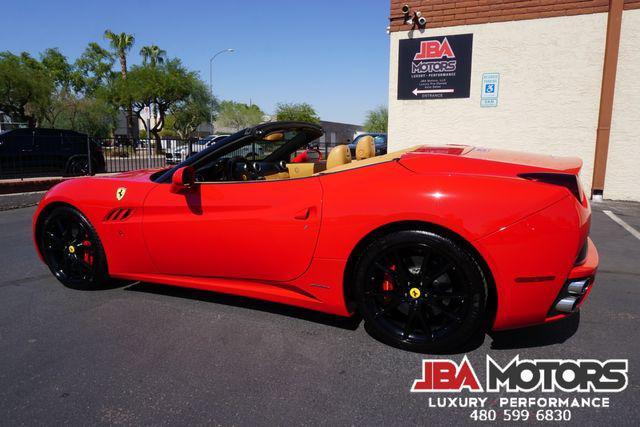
x=261, y=149
x=269, y=142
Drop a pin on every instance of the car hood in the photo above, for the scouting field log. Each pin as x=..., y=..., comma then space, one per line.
x=137, y=175
x=96, y=195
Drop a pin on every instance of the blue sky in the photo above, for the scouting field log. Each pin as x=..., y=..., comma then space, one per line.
x=332, y=54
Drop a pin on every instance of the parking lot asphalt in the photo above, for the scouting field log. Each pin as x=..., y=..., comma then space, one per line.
x=148, y=354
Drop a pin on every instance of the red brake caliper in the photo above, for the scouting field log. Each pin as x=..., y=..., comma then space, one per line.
x=87, y=256
x=387, y=284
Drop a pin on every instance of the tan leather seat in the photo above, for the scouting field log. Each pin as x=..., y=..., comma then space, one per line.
x=366, y=148
x=338, y=156
x=300, y=170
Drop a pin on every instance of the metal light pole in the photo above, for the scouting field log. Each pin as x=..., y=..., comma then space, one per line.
x=230, y=50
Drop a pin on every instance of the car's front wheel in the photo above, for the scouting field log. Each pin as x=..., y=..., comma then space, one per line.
x=420, y=291
x=72, y=250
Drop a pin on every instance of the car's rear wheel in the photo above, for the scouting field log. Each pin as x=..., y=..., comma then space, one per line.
x=420, y=291
x=72, y=250
x=78, y=166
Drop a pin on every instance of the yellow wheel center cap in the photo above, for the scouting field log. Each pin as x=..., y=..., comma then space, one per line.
x=72, y=249
x=415, y=293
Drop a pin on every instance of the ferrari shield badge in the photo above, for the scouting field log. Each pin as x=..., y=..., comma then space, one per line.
x=120, y=192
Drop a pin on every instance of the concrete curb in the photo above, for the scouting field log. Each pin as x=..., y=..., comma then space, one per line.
x=20, y=200
x=28, y=185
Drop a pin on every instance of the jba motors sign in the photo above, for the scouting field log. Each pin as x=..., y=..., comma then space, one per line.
x=435, y=67
x=524, y=375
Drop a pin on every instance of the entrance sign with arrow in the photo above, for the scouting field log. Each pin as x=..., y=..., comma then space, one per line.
x=417, y=92
x=435, y=67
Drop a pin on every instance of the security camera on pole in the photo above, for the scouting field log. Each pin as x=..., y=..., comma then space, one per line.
x=146, y=116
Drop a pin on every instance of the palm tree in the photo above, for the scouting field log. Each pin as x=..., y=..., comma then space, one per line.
x=153, y=55
x=121, y=44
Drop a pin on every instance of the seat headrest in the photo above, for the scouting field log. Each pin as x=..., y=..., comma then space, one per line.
x=366, y=148
x=338, y=156
x=300, y=170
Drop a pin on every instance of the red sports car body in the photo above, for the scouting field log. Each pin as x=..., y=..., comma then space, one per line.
x=520, y=223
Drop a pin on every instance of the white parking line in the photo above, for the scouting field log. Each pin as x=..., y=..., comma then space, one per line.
x=635, y=233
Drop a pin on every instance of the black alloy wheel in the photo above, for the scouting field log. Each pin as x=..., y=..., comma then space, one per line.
x=78, y=167
x=72, y=250
x=420, y=291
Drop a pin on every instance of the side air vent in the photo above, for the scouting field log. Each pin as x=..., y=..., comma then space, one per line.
x=118, y=214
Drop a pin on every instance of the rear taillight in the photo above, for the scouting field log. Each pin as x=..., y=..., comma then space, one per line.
x=569, y=181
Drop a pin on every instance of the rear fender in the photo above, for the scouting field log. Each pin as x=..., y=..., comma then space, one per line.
x=468, y=205
x=531, y=260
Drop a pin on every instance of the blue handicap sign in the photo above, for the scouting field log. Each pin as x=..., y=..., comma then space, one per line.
x=490, y=88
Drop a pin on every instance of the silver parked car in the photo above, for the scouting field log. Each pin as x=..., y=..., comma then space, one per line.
x=179, y=154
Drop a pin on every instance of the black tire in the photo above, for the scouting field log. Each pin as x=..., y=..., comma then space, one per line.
x=72, y=250
x=78, y=167
x=420, y=291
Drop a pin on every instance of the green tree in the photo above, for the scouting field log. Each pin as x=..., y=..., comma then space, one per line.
x=152, y=55
x=95, y=117
x=62, y=97
x=69, y=107
x=164, y=86
x=25, y=87
x=93, y=69
x=59, y=69
x=62, y=105
x=121, y=45
x=377, y=120
x=168, y=131
x=187, y=115
x=91, y=115
x=299, y=112
x=238, y=115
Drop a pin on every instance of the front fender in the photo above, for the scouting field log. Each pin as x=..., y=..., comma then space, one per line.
x=96, y=198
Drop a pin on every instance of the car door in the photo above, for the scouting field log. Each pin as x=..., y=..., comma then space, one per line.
x=6, y=154
x=17, y=152
x=260, y=230
x=46, y=150
x=68, y=148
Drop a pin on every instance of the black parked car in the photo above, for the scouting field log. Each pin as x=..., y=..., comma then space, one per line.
x=39, y=152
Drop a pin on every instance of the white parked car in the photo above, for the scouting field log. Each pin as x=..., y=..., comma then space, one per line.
x=179, y=154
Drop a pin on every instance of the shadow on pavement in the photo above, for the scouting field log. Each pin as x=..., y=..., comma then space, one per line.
x=536, y=336
x=351, y=323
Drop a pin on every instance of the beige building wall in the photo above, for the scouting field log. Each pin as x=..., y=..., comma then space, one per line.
x=623, y=166
x=550, y=77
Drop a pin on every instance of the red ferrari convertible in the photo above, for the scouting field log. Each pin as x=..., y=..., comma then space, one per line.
x=429, y=244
